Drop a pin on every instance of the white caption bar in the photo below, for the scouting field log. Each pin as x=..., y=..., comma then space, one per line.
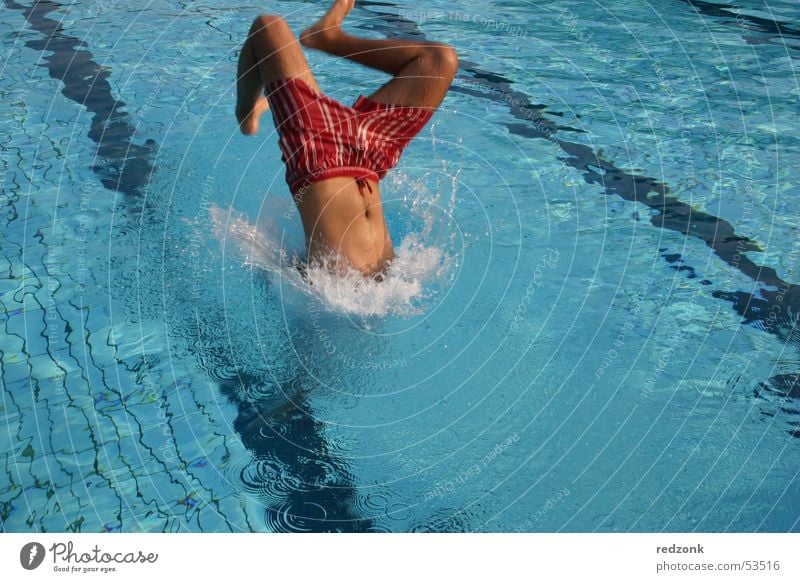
x=354, y=557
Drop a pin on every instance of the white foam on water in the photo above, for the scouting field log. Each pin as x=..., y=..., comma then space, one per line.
x=276, y=246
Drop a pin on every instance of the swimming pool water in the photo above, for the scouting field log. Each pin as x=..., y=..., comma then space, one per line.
x=593, y=330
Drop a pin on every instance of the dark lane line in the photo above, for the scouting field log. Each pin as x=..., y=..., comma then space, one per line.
x=122, y=165
x=674, y=214
x=305, y=486
x=127, y=168
x=770, y=309
x=759, y=24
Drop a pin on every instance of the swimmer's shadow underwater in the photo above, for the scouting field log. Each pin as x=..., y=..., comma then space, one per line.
x=302, y=485
x=298, y=476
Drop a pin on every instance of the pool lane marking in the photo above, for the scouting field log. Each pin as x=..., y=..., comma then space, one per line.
x=672, y=213
x=723, y=13
x=126, y=166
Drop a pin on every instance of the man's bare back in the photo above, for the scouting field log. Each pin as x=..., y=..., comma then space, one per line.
x=340, y=205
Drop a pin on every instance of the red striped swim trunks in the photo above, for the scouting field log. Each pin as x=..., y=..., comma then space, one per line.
x=322, y=138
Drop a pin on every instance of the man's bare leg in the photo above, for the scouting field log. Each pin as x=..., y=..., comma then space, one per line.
x=270, y=52
x=423, y=71
x=250, y=100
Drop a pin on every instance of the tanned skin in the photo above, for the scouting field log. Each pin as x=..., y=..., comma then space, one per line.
x=339, y=220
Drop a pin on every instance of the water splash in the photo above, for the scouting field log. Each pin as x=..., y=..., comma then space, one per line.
x=423, y=260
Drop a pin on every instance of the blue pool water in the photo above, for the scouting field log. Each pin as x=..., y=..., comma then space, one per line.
x=591, y=328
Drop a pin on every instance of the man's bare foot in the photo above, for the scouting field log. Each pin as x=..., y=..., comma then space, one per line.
x=327, y=28
x=248, y=119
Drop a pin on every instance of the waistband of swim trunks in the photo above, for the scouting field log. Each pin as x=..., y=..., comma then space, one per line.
x=366, y=104
x=354, y=171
